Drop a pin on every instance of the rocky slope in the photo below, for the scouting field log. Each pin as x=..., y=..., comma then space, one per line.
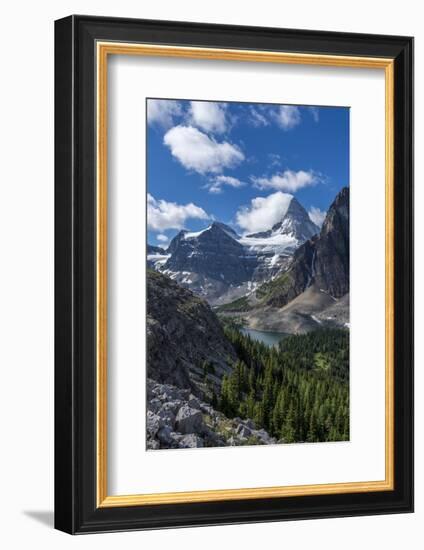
x=186, y=345
x=176, y=419
x=311, y=310
x=187, y=357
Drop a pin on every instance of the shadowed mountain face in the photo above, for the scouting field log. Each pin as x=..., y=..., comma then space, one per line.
x=155, y=249
x=331, y=262
x=186, y=345
x=322, y=260
x=214, y=253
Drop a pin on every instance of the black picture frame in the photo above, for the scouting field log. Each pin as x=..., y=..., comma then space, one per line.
x=76, y=510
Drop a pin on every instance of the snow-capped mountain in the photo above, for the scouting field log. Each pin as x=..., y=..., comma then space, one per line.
x=219, y=264
x=274, y=246
x=156, y=256
x=295, y=228
x=214, y=252
x=314, y=289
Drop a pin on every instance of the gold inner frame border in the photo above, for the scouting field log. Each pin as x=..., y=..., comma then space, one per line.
x=103, y=50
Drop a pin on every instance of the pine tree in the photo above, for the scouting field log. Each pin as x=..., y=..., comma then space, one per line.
x=286, y=391
x=288, y=431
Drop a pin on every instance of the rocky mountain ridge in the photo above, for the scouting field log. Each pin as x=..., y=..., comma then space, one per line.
x=220, y=265
x=197, y=352
x=213, y=253
x=188, y=355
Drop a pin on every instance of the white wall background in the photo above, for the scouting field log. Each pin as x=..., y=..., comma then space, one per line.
x=26, y=273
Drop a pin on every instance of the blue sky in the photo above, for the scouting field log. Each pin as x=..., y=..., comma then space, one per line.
x=240, y=163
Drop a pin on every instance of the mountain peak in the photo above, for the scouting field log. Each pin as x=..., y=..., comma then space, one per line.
x=294, y=208
x=227, y=229
x=295, y=217
x=214, y=252
x=295, y=223
x=338, y=212
x=215, y=228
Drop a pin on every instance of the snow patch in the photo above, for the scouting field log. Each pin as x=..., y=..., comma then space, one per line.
x=195, y=234
x=274, y=260
x=277, y=243
x=158, y=259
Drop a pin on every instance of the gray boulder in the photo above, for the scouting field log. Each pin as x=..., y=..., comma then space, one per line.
x=167, y=438
x=243, y=431
x=249, y=423
x=152, y=444
x=153, y=423
x=206, y=408
x=167, y=417
x=191, y=441
x=264, y=437
x=154, y=404
x=189, y=420
x=172, y=406
x=213, y=439
x=193, y=402
x=170, y=393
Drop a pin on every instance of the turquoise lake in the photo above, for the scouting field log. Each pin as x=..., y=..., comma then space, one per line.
x=268, y=338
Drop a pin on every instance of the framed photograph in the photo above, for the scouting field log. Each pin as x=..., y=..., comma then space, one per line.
x=234, y=274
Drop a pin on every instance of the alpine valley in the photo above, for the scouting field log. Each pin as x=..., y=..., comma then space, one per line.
x=291, y=278
x=210, y=381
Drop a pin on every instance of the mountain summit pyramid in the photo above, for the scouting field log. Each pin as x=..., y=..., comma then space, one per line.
x=295, y=223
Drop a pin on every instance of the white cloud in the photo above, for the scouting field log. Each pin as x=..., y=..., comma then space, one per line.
x=287, y=116
x=217, y=183
x=196, y=151
x=314, y=113
x=162, y=215
x=274, y=159
x=162, y=238
x=263, y=212
x=208, y=116
x=163, y=111
x=317, y=215
x=257, y=118
x=288, y=180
